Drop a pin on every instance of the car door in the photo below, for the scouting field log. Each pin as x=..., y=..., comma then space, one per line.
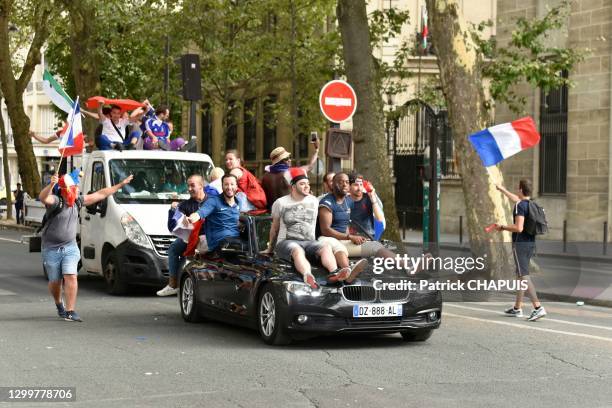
x=92, y=222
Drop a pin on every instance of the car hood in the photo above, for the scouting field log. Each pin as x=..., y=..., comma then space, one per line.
x=152, y=218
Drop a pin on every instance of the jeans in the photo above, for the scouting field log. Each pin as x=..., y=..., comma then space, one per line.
x=176, y=260
x=19, y=213
x=61, y=261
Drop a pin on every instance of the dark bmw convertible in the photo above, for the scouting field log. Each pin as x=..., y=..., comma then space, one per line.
x=240, y=285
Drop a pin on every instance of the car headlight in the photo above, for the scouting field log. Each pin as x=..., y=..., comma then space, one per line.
x=303, y=289
x=134, y=231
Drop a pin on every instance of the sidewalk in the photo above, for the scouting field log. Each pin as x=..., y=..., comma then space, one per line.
x=586, y=251
x=12, y=225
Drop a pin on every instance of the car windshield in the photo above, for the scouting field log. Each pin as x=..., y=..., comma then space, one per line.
x=155, y=181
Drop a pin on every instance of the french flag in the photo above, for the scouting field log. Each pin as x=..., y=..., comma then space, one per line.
x=71, y=140
x=499, y=142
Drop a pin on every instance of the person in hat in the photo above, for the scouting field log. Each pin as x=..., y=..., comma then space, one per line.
x=292, y=235
x=60, y=251
x=273, y=182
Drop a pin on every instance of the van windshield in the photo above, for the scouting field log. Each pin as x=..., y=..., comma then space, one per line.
x=155, y=181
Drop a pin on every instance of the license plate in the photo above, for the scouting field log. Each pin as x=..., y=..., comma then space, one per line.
x=377, y=310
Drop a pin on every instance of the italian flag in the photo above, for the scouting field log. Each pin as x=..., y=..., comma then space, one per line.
x=55, y=92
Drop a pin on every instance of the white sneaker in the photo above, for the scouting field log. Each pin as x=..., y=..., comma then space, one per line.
x=537, y=314
x=167, y=291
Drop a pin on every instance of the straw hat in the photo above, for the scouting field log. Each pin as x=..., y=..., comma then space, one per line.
x=279, y=154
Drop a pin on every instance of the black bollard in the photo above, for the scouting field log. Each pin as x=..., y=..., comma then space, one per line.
x=564, y=236
x=605, y=238
x=461, y=230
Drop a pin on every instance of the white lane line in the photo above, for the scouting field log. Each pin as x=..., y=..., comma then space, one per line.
x=11, y=240
x=4, y=292
x=593, y=326
x=522, y=326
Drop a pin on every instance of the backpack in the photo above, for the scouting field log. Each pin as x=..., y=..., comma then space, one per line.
x=49, y=216
x=535, y=223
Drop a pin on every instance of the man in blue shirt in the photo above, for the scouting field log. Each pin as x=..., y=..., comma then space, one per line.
x=222, y=215
x=523, y=248
x=157, y=129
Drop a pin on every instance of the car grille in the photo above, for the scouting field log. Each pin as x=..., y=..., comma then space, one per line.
x=161, y=243
x=356, y=293
x=393, y=295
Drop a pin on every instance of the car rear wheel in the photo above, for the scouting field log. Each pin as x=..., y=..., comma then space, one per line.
x=115, y=285
x=269, y=319
x=417, y=335
x=188, y=300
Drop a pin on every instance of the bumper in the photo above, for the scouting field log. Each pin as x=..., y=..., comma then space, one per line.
x=332, y=314
x=142, y=266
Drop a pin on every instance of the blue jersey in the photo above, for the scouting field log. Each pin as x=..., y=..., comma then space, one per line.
x=341, y=213
x=221, y=220
x=159, y=128
x=150, y=114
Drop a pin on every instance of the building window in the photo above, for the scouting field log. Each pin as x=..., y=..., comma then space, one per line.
x=269, y=131
x=250, y=129
x=553, y=146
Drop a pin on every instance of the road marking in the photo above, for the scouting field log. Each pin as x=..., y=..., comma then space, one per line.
x=593, y=326
x=4, y=292
x=522, y=326
x=12, y=240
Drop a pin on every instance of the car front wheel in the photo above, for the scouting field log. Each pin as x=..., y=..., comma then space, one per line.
x=188, y=299
x=269, y=319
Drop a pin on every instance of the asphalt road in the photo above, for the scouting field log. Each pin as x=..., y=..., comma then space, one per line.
x=136, y=351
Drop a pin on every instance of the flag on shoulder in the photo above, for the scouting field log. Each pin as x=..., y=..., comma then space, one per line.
x=71, y=141
x=499, y=142
x=55, y=92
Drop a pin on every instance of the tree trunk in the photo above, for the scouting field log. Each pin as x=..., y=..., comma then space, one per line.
x=462, y=84
x=5, y=166
x=85, y=58
x=13, y=88
x=368, y=122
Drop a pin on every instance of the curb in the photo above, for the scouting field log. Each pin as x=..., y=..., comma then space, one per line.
x=554, y=297
x=15, y=227
x=538, y=254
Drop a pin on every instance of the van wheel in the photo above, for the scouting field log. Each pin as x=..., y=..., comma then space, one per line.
x=115, y=285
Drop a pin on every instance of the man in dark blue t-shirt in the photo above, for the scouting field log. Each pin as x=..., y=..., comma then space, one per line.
x=367, y=207
x=523, y=248
x=222, y=214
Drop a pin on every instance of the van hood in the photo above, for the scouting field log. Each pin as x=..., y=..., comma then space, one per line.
x=153, y=218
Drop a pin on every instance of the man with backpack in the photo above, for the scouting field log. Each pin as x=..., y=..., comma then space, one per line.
x=529, y=220
x=60, y=251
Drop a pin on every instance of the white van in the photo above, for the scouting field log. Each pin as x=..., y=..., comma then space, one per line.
x=125, y=238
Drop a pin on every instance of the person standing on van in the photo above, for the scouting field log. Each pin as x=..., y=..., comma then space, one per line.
x=523, y=249
x=176, y=260
x=60, y=251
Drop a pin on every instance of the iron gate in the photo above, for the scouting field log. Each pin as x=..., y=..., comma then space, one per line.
x=408, y=136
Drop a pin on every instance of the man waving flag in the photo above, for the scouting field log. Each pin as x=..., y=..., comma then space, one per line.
x=71, y=141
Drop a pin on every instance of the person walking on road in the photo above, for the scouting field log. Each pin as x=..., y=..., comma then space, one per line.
x=19, y=196
x=523, y=248
x=60, y=251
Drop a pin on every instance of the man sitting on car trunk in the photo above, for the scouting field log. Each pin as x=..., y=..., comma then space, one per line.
x=176, y=260
x=222, y=213
x=292, y=234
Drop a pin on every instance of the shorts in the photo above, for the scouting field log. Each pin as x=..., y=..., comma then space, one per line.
x=522, y=253
x=368, y=248
x=61, y=261
x=285, y=247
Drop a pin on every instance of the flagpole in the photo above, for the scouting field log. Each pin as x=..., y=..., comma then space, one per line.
x=69, y=128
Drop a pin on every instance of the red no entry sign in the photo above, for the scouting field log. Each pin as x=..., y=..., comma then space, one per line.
x=338, y=101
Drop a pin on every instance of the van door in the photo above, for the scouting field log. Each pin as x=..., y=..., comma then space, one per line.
x=92, y=236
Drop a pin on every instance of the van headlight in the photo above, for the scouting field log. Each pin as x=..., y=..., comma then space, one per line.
x=134, y=231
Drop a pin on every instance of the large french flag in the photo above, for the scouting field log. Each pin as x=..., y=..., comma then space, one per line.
x=499, y=142
x=71, y=140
